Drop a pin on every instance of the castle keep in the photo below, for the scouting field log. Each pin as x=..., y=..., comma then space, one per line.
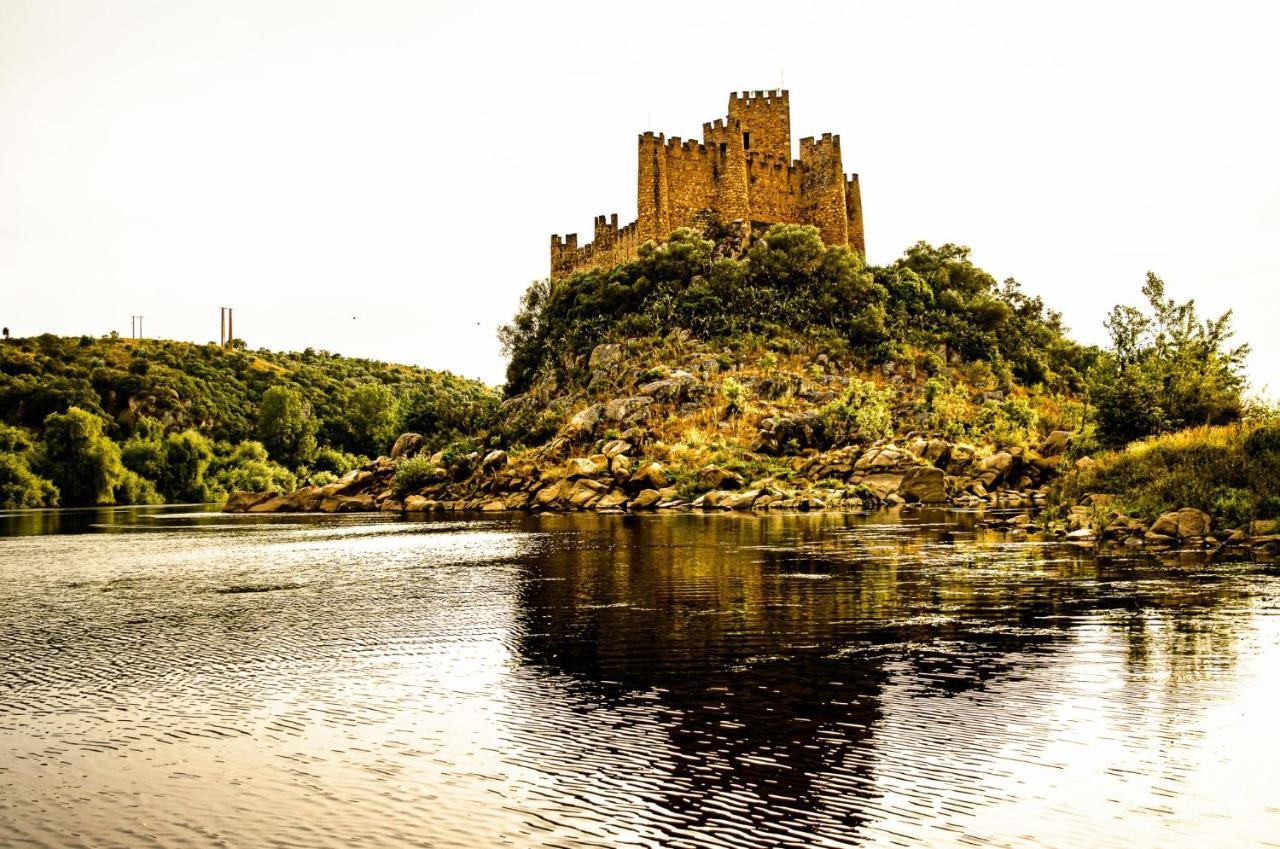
x=741, y=173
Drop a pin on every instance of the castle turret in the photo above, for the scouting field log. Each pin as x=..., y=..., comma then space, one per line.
x=741, y=171
x=765, y=119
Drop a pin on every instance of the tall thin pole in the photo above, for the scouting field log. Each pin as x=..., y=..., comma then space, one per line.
x=231, y=331
x=222, y=327
x=133, y=327
x=139, y=328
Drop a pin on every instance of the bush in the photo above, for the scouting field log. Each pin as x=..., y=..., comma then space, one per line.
x=1007, y=423
x=247, y=467
x=862, y=414
x=734, y=395
x=414, y=474
x=372, y=418
x=132, y=488
x=336, y=462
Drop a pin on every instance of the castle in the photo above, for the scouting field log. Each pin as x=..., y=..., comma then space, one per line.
x=741, y=173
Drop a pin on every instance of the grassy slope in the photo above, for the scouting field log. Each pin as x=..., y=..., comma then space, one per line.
x=1231, y=472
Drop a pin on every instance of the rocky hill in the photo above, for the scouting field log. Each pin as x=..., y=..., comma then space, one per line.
x=789, y=377
x=679, y=424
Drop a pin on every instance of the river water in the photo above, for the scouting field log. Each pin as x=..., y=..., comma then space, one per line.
x=188, y=679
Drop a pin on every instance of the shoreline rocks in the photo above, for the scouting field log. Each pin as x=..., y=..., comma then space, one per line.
x=615, y=476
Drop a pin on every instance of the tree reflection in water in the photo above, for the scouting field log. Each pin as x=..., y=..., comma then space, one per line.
x=762, y=649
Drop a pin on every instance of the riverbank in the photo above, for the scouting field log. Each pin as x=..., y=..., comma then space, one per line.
x=920, y=471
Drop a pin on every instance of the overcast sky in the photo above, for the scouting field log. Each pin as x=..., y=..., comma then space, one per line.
x=382, y=178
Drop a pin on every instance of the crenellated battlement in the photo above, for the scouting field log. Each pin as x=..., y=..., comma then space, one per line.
x=751, y=99
x=742, y=171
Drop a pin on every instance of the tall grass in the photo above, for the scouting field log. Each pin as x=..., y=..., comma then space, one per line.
x=1231, y=472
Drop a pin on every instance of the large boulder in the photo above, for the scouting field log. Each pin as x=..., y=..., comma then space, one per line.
x=996, y=468
x=1187, y=523
x=678, y=388
x=648, y=476
x=926, y=484
x=494, y=460
x=406, y=445
x=351, y=483
x=585, y=467
x=615, y=499
x=240, y=501
x=348, y=504
x=714, y=477
x=646, y=500
x=937, y=452
x=583, y=423
x=1055, y=444
x=740, y=500
x=274, y=504
x=584, y=492
x=416, y=504
x=626, y=409
x=883, y=484
x=614, y=447
x=782, y=433
x=881, y=458
x=606, y=357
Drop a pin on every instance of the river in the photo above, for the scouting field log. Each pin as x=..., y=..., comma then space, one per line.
x=181, y=678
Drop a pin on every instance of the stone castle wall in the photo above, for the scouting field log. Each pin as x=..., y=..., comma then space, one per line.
x=741, y=171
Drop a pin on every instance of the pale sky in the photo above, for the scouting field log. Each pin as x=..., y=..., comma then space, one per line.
x=382, y=178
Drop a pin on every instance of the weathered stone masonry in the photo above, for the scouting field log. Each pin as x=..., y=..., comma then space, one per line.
x=741, y=173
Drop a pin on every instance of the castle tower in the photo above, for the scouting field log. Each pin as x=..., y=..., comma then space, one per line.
x=740, y=173
x=765, y=121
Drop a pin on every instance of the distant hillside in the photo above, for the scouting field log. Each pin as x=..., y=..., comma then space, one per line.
x=218, y=391
x=93, y=421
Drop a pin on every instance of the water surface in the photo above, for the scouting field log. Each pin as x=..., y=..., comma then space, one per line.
x=188, y=679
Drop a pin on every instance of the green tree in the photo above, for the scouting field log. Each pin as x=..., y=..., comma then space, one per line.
x=19, y=486
x=286, y=427
x=187, y=457
x=372, y=417
x=1166, y=369
x=80, y=460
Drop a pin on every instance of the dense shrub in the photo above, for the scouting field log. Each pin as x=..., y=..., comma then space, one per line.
x=372, y=419
x=414, y=474
x=336, y=462
x=861, y=414
x=246, y=467
x=933, y=298
x=219, y=391
x=286, y=427
x=80, y=460
x=19, y=486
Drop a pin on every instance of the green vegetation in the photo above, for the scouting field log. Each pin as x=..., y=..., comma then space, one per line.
x=787, y=348
x=862, y=414
x=103, y=421
x=934, y=304
x=81, y=461
x=1231, y=472
x=19, y=486
x=1165, y=370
